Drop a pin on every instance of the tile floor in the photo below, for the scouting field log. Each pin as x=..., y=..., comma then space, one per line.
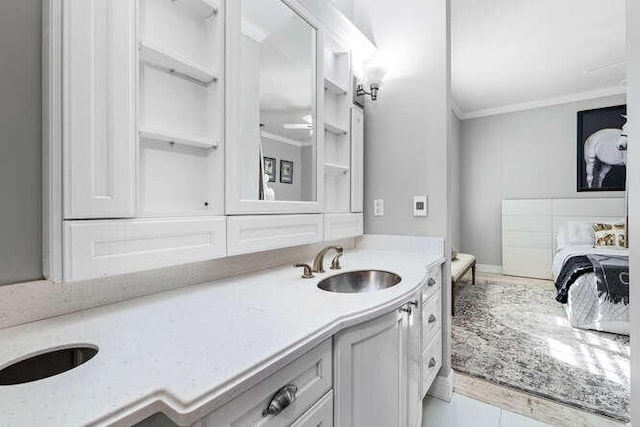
x=463, y=411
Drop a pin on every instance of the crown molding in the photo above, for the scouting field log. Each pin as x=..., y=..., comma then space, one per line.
x=565, y=99
x=456, y=108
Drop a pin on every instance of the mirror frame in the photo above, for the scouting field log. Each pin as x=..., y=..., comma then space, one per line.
x=234, y=204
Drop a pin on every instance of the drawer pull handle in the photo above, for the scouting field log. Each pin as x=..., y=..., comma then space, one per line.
x=406, y=310
x=432, y=318
x=414, y=303
x=432, y=362
x=283, y=398
x=431, y=282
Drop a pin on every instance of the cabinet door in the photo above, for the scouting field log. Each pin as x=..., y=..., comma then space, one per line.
x=357, y=159
x=370, y=373
x=99, y=67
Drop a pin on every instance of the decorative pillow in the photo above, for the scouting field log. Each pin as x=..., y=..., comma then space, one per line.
x=576, y=234
x=609, y=235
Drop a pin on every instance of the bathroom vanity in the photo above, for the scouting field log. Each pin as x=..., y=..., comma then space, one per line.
x=216, y=354
x=204, y=135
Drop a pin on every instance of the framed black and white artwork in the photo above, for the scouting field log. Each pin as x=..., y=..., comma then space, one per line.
x=602, y=149
x=270, y=168
x=286, y=172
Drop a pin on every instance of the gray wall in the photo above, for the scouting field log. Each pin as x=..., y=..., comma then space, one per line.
x=282, y=151
x=407, y=128
x=527, y=154
x=455, y=181
x=20, y=131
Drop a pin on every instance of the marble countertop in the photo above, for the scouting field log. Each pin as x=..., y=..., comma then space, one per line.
x=187, y=352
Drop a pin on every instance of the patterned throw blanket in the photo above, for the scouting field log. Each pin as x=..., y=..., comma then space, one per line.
x=612, y=274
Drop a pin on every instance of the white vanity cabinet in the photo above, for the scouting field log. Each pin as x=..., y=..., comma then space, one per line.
x=99, y=108
x=377, y=371
x=305, y=386
x=186, y=136
x=357, y=159
x=431, y=358
x=143, y=135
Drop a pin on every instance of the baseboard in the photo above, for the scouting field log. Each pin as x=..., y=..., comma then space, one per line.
x=489, y=268
x=442, y=387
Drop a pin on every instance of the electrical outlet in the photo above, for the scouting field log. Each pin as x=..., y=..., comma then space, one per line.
x=378, y=207
x=419, y=205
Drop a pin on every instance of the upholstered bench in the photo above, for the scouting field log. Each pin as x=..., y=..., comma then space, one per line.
x=459, y=267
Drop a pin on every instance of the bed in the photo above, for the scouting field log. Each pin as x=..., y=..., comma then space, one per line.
x=586, y=306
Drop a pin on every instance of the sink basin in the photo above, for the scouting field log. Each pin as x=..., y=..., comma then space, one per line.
x=355, y=282
x=46, y=364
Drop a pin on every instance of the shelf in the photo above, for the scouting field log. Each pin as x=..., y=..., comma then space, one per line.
x=172, y=63
x=176, y=138
x=334, y=87
x=204, y=8
x=335, y=129
x=335, y=170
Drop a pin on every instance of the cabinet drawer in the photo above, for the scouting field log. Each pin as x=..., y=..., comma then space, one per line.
x=431, y=313
x=108, y=247
x=320, y=415
x=340, y=226
x=310, y=373
x=431, y=363
x=256, y=233
x=433, y=283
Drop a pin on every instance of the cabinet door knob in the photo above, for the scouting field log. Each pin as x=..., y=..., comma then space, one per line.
x=283, y=398
x=432, y=362
x=431, y=282
x=414, y=303
x=432, y=318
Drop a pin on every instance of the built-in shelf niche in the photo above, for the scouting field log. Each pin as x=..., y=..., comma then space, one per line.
x=181, y=108
x=173, y=63
x=337, y=116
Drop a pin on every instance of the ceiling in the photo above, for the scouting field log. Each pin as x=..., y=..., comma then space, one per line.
x=513, y=53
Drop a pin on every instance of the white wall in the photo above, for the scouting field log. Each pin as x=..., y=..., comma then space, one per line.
x=406, y=129
x=633, y=182
x=526, y=154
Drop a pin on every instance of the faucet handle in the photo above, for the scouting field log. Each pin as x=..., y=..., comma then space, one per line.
x=306, y=274
x=335, y=262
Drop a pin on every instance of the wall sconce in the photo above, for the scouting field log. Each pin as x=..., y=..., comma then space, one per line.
x=373, y=78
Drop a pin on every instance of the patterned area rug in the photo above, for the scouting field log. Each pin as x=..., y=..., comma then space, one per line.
x=518, y=336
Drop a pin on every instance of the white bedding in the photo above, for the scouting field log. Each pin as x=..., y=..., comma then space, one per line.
x=584, y=308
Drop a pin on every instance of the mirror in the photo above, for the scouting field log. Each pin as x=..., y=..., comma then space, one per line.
x=278, y=133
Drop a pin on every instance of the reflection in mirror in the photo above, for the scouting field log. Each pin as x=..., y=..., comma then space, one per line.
x=278, y=96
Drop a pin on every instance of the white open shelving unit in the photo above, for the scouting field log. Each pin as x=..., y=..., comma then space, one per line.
x=337, y=118
x=181, y=108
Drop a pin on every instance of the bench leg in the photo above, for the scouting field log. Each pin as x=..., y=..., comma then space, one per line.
x=453, y=298
x=473, y=274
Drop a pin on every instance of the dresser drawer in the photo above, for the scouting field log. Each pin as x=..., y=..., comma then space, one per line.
x=431, y=363
x=433, y=283
x=321, y=414
x=311, y=374
x=431, y=313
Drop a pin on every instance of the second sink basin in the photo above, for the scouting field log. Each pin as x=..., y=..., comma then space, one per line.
x=359, y=281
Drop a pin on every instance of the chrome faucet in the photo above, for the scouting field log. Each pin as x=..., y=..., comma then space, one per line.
x=318, y=262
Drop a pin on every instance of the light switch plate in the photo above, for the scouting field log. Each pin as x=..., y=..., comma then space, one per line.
x=419, y=205
x=378, y=207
